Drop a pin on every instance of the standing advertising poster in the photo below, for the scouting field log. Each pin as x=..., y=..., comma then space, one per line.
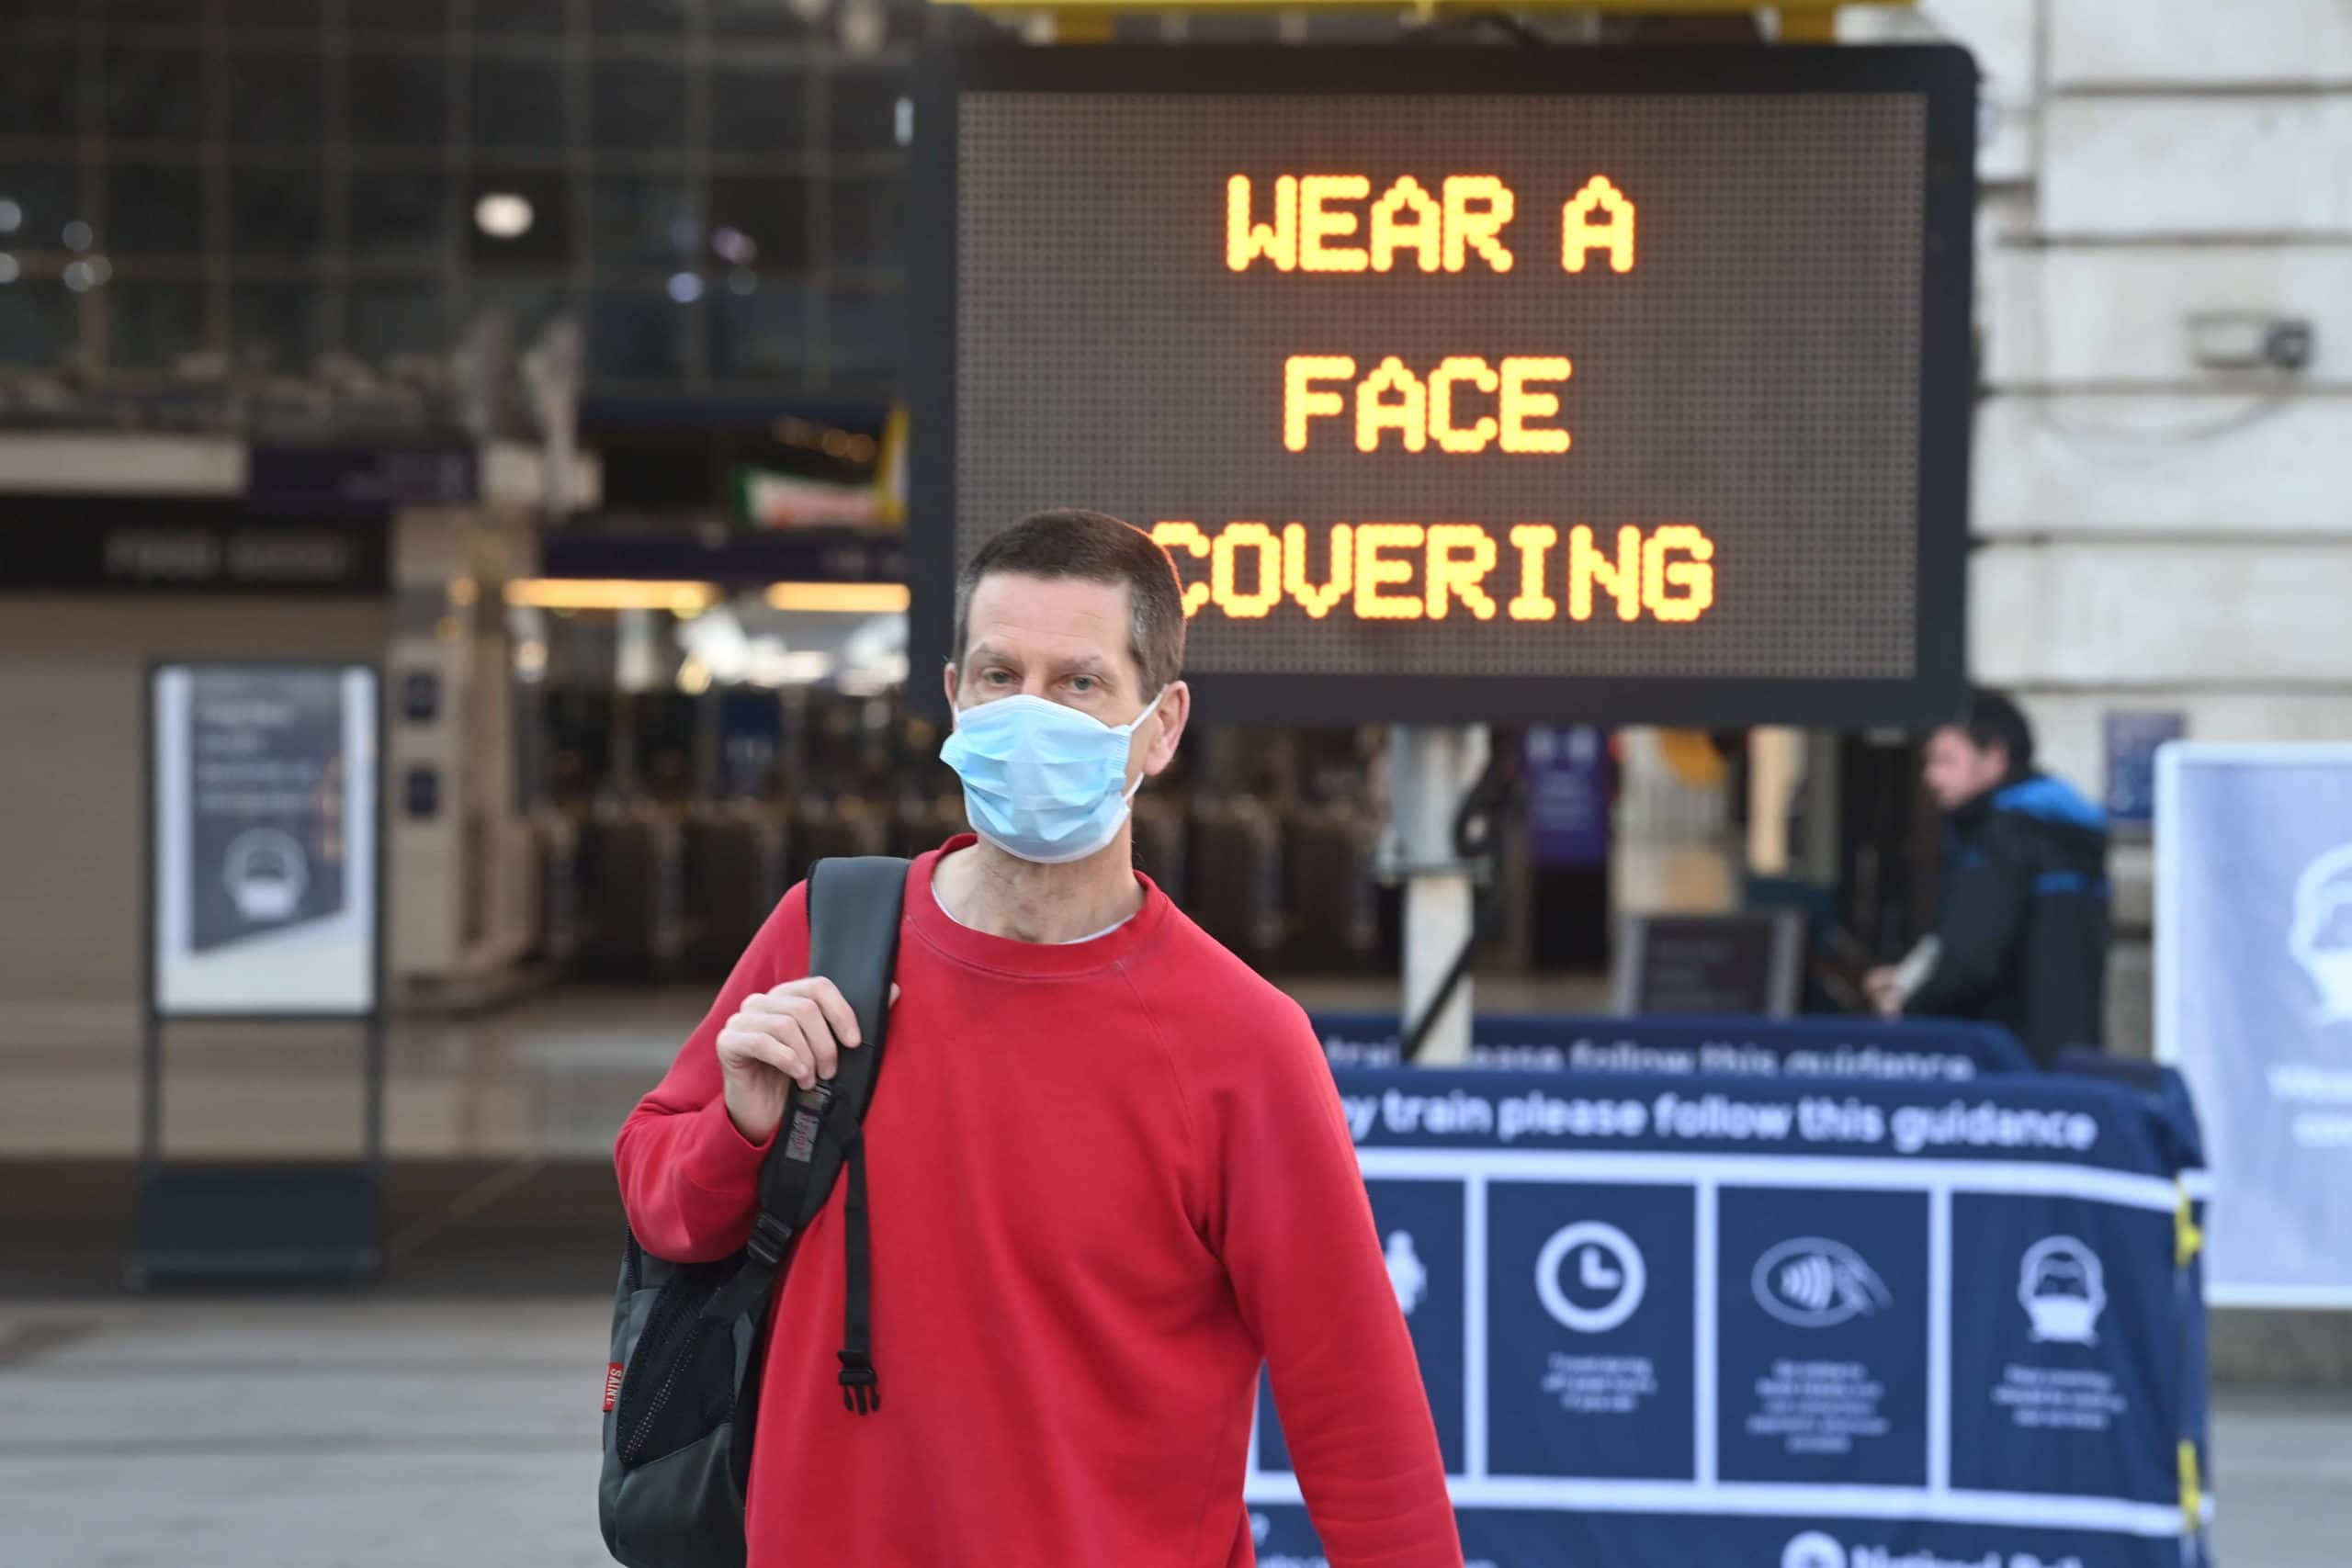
x=264, y=864
x=1567, y=794
x=2254, y=1004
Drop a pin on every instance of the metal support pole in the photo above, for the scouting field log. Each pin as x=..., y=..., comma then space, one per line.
x=1432, y=768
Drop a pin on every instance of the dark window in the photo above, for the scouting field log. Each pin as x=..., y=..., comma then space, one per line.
x=546, y=240
x=757, y=19
x=869, y=221
x=274, y=213
x=642, y=221
x=865, y=108
x=36, y=322
x=865, y=337
x=528, y=304
x=397, y=100
x=154, y=93
x=759, y=109
x=638, y=333
x=517, y=103
x=640, y=18
x=399, y=16
x=771, y=214
x=293, y=15
x=149, y=325
x=390, y=318
x=276, y=325
x=45, y=203
x=637, y=105
x=40, y=84
x=760, y=336
x=152, y=209
x=544, y=16
x=152, y=12
x=275, y=97
x=398, y=215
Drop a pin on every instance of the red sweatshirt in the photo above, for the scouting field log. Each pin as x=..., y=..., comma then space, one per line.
x=1106, y=1179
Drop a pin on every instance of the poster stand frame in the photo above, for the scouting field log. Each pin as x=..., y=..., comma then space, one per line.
x=213, y=1222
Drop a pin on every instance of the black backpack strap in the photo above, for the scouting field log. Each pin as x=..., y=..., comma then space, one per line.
x=853, y=907
x=861, y=1385
x=853, y=904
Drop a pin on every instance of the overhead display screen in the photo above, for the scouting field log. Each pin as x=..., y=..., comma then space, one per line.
x=1470, y=383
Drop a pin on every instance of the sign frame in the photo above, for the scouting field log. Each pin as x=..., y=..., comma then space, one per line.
x=375, y=913
x=1784, y=928
x=1943, y=76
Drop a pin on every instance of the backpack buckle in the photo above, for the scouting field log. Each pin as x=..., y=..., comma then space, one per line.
x=768, y=1239
x=861, y=1385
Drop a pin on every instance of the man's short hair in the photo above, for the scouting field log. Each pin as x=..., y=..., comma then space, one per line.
x=1992, y=719
x=1093, y=546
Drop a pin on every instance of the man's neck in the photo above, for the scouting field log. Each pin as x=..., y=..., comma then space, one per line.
x=983, y=887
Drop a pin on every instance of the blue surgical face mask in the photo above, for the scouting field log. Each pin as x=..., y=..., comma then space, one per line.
x=1042, y=781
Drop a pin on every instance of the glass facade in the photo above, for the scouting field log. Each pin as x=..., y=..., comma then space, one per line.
x=714, y=187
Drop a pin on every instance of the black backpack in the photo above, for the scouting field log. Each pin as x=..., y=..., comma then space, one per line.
x=683, y=1386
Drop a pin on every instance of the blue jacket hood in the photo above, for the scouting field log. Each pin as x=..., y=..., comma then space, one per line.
x=2049, y=799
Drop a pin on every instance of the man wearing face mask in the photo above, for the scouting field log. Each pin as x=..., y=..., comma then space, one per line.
x=1108, y=1171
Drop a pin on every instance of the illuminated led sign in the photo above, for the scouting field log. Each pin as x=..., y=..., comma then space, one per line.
x=1460, y=384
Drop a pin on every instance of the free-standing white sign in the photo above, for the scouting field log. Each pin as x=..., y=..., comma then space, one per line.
x=265, y=855
x=2254, y=1005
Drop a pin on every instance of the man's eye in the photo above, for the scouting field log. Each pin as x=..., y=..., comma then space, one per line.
x=995, y=677
x=1082, y=684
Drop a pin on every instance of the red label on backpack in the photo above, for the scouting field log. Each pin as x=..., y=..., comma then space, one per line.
x=611, y=1385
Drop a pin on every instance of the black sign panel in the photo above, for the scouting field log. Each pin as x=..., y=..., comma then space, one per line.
x=1710, y=964
x=1463, y=384
x=123, y=543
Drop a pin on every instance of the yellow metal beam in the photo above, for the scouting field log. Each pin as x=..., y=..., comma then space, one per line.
x=1082, y=24
x=1801, y=23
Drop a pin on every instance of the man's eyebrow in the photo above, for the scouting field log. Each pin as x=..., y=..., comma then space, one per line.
x=1087, y=664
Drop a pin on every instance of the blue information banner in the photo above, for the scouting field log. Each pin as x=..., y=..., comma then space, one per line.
x=1892, y=1050
x=1827, y=1324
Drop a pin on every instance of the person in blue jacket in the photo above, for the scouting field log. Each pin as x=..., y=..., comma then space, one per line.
x=2022, y=939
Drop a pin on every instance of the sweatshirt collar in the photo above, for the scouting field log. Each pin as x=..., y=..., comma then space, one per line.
x=983, y=949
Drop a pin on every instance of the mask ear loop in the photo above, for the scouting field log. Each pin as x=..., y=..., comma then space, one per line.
x=1149, y=708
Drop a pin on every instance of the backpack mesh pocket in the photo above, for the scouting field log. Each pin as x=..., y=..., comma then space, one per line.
x=680, y=1385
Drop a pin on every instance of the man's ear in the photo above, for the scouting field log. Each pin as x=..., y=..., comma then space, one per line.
x=1174, y=712
x=951, y=678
